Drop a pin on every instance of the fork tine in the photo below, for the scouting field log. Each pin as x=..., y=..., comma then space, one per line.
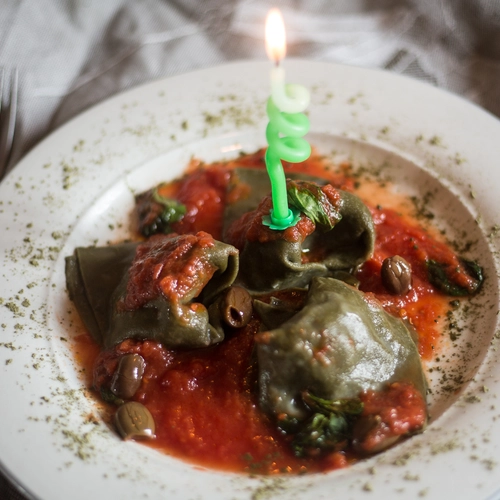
x=2, y=75
x=11, y=120
x=8, y=113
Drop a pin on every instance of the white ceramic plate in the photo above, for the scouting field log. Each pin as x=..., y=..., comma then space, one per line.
x=76, y=188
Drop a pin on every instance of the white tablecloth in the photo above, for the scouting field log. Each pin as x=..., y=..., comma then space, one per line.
x=72, y=54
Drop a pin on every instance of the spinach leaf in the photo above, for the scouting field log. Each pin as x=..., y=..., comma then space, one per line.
x=173, y=211
x=441, y=276
x=157, y=213
x=312, y=201
x=347, y=406
x=327, y=428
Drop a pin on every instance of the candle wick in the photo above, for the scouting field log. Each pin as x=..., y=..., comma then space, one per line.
x=277, y=62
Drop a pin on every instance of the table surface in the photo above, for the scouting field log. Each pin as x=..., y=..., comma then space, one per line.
x=71, y=55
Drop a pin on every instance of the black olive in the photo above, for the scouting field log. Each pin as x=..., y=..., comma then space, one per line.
x=134, y=421
x=128, y=376
x=396, y=275
x=236, y=307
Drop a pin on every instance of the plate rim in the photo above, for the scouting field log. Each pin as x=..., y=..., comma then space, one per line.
x=225, y=67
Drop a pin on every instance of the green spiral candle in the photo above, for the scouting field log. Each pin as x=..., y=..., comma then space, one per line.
x=284, y=136
x=287, y=125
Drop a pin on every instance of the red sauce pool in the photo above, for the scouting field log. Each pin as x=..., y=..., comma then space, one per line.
x=205, y=409
x=203, y=401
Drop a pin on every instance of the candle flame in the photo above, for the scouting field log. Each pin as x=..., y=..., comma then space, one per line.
x=275, y=36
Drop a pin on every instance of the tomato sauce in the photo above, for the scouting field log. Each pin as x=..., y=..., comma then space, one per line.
x=423, y=306
x=250, y=228
x=203, y=194
x=204, y=401
x=399, y=410
x=149, y=276
x=205, y=409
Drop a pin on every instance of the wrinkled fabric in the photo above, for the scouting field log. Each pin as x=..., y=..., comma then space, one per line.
x=72, y=54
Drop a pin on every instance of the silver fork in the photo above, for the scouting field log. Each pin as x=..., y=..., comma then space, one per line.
x=8, y=112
